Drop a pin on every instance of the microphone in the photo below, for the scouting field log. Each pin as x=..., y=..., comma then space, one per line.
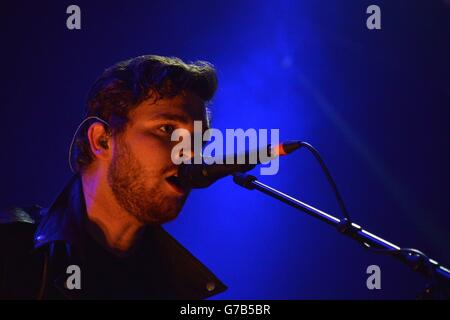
x=203, y=175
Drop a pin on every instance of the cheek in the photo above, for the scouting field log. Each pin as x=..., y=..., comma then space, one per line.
x=152, y=153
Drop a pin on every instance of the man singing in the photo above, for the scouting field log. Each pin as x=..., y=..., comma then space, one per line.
x=102, y=237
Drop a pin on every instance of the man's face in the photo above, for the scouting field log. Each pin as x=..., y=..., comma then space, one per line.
x=141, y=164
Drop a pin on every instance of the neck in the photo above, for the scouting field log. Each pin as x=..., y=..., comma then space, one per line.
x=108, y=223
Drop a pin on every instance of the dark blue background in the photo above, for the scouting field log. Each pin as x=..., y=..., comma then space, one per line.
x=375, y=103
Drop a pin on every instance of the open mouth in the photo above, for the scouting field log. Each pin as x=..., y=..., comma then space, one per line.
x=175, y=182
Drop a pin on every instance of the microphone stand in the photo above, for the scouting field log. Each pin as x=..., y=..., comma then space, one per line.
x=418, y=261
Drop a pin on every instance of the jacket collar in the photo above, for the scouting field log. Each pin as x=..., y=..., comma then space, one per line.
x=63, y=223
x=63, y=220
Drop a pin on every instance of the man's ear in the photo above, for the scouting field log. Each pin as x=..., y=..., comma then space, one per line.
x=99, y=140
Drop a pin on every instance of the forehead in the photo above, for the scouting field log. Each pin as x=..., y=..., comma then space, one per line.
x=186, y=106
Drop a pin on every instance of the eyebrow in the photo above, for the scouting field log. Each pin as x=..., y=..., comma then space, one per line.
x=171, y=116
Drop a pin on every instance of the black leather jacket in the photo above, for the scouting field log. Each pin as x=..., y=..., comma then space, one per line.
x=37, y=245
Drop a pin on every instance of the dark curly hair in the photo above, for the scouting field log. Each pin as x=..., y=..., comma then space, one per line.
x=125, y=85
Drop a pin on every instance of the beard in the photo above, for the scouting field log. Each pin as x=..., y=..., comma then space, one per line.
x=139, y=191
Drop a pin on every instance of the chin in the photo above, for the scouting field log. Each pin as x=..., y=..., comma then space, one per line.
x=159, y=220
x=161, y=216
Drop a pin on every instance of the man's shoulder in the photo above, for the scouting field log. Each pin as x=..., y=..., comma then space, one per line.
x=17, y=226
x=26, y=214
x=20, y=268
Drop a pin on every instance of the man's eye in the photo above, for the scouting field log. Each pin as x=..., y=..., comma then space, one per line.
x=167, y=128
